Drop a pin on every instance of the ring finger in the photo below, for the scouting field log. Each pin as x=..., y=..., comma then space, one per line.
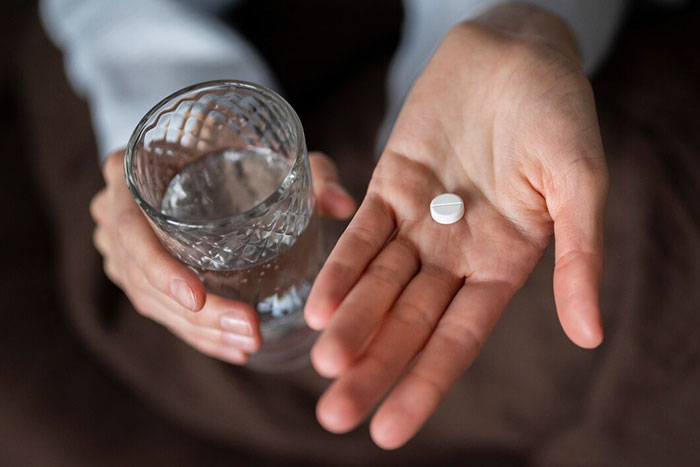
x=406, y=329
x=211, y=339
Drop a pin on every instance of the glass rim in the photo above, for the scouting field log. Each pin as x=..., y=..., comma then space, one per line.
x=257, y=210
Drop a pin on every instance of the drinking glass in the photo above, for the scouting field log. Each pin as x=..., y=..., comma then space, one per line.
x=222, y=173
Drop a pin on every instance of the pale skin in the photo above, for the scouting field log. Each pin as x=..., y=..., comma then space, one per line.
x=504, y=117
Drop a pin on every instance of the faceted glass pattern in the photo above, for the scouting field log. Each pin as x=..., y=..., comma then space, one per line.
x=205, y=119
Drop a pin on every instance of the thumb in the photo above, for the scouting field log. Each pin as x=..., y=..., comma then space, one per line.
x=578, y=240
x=333, y=200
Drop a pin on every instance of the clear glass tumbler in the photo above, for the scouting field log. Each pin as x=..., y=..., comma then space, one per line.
x=222, y=173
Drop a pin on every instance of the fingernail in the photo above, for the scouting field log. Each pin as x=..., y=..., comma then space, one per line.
x=235, y=356
x=245, y=343
x=182, y=292
x=338, y=190
x=235, y=323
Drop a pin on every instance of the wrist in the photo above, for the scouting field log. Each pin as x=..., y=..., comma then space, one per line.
x=528, y=27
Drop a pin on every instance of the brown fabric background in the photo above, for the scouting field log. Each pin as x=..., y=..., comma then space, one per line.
x=86, y=381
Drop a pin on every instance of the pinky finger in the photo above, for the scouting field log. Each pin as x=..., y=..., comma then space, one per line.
x=211, y=349
x=179, y=327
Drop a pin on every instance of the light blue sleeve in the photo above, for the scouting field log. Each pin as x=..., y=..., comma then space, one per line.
x=124, y=56
x=594, y=22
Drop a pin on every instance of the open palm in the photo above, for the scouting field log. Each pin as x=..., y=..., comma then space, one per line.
x=407, y=303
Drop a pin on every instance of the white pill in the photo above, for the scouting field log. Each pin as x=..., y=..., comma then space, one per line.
x=447, y=208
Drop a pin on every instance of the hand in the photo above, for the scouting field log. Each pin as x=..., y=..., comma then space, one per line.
x=508, y=122
x=163, y=289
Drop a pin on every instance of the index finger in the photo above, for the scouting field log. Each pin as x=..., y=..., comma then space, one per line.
x=165, y=273
x=360, y=243
x=141, y=245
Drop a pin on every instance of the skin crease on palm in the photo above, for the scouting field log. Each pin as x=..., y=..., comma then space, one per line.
x=505, y=118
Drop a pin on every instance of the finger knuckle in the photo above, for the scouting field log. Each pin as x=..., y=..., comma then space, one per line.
x=187, y=337
x=323, y=166
x=134, y=277
x=363, y=237
x=462, y=339
x=126, y=222
x=198, y=344
x=417, y=319
x=133, y=270
x=318, y=154
x=194, y=318
x=96, y=210
x=318, y=157
x=111, y=272
x=379, y=360
x=429, y=383
x=159, y=271
x=140, y=304
x=98, y=241
x=127, y=227
x=438, y=272
x=337, y=270
x=384, y=274
x=114, y=166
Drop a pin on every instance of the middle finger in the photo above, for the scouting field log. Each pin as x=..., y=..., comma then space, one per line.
x=361, y=312
x=406, y=329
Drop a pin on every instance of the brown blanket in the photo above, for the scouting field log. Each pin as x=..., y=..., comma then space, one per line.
x=531, y=397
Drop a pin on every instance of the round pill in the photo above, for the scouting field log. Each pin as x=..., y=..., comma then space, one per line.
x=447, y=208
